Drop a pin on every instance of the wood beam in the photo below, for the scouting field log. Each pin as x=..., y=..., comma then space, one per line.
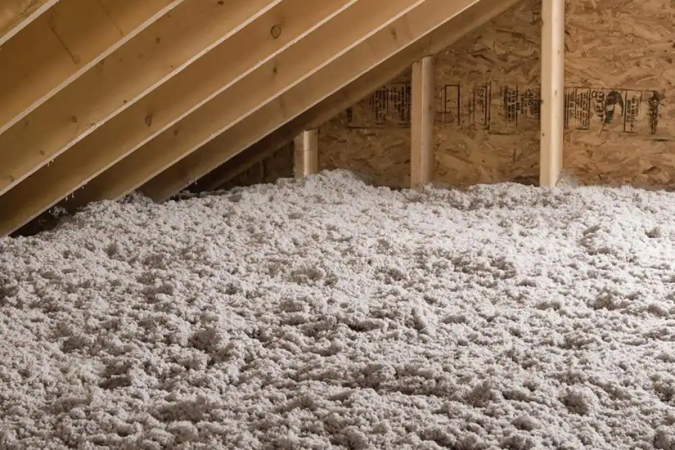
x=165, y=59
x=552, y=91
x=15, y=15
x=306, y=154
x=267, y=36
x=413, y=36
x=62, y=45
x=329, y=29
x=422, y=114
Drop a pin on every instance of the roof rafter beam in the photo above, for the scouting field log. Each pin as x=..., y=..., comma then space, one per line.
x=64, y=44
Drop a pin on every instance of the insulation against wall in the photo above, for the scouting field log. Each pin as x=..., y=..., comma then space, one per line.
x=619, y=122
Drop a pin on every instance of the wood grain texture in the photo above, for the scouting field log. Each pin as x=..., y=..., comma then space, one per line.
x=15, y=15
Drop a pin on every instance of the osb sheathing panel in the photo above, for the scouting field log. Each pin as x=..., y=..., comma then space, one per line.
x=479, y=139
x=623, y=49
x=619, y=120
x=381, y=152
x=382, y=156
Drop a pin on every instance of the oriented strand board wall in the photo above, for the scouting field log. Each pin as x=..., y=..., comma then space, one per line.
x=620, y=60
x=373, y=137
x=619, y=119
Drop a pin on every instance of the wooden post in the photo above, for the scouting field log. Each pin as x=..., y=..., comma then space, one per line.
x=422, y=160
x=552, y=91
x=306, y=155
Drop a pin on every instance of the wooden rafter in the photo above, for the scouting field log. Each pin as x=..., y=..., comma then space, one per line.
x=64, y=44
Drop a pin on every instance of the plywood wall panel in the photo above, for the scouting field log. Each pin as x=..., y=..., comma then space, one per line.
x=620, y=60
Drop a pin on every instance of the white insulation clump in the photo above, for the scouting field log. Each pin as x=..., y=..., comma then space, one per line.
x=326, y=313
